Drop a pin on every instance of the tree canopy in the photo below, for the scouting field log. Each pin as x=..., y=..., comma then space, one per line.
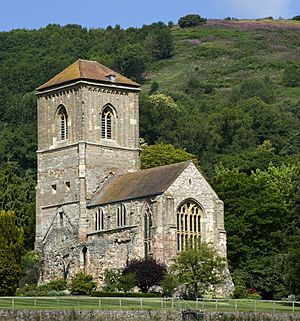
x=199, y=268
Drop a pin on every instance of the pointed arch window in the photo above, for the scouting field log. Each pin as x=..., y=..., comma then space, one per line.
x=147, y=230
x=189, y=222
x=107, y=123
x=121, y=215
x=99, y=219
x=63, y=122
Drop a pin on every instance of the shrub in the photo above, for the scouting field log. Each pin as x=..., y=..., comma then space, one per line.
x=296, y=18
x=191, y=20
x=240, y=292
x=291, y=75
x=82, y=284
x=148, y=272
x=169, y=284
x=104, y=294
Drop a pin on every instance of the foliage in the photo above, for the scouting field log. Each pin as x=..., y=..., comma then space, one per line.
x=199, y=268
x=111, y=279
x=169, y=284
x=293, y=264
x=17, y=193
x=158, y=113
x=148, y=272
x=116, y=280
x=258, y=222
x=11, y=243
x=30, y=264
x=191, y=20
x=159, y=42
x=291, y=75
x=126, y=282
x=164, y=154
x=82, y=284
x=130, y=61
x=296, y=18
x=122, y=294
x=254, y=87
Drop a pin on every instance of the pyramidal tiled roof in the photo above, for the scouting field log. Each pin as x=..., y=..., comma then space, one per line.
x=142, y=183
x=87, y=70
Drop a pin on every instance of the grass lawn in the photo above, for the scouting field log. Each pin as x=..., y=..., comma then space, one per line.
x=89, y=303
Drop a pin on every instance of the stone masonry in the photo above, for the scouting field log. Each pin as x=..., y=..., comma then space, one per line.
x=95, y=208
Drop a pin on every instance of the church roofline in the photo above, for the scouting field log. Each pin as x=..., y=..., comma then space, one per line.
x=90, y=71
x=136, y=185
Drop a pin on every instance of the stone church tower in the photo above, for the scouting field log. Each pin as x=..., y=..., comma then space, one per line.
x=95, y=208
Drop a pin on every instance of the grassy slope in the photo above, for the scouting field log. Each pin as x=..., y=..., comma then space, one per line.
x=222, y=53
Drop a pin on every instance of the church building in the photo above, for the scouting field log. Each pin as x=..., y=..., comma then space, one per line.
x=95, y=208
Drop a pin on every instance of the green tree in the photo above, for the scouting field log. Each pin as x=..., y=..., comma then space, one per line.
x=254, y=87
x=191, y=20
x=164, y=154
x=130, y=61
x=158, y=117
x=11, y=243
x=159, y=42
x=199, y=268
x=293, y=264
x=17, y=192
x=82, y=284
x=169, y=284
x=126, y=282
x=258, y=222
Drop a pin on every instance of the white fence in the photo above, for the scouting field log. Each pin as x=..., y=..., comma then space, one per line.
x=123, y=303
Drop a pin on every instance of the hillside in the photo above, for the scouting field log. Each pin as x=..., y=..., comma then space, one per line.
x=227, y=92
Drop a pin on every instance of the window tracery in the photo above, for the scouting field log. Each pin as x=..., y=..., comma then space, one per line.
x=107, y=123
x=63, y=122
x=189, y=222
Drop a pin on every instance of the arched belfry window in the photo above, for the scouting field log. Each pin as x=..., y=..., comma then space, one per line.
x=62, y=118
x=107, y=123
x=189, y=222
x=147, y=230
x=121, y=215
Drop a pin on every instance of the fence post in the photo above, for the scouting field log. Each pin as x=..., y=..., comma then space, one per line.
x=161, y=303
x=120, y=304
x=13, y=302
x=197, y=303
x=274, y=306
x=236, y=305
x=99, y=303
x=141, y=303
x=293, y=306
x=203, y=304
x=216, y=305
x=254, y=305
x=172, y=302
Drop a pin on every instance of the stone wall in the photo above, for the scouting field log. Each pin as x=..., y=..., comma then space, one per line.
x=94, y=315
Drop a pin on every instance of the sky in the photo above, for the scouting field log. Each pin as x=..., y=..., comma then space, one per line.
x=35, y=14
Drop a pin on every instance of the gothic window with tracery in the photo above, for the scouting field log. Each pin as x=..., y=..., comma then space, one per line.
x=189, y=219
x=147, y=230
x=121, y=215
x=107, y=123
x=63, y=122
x=99, y=219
